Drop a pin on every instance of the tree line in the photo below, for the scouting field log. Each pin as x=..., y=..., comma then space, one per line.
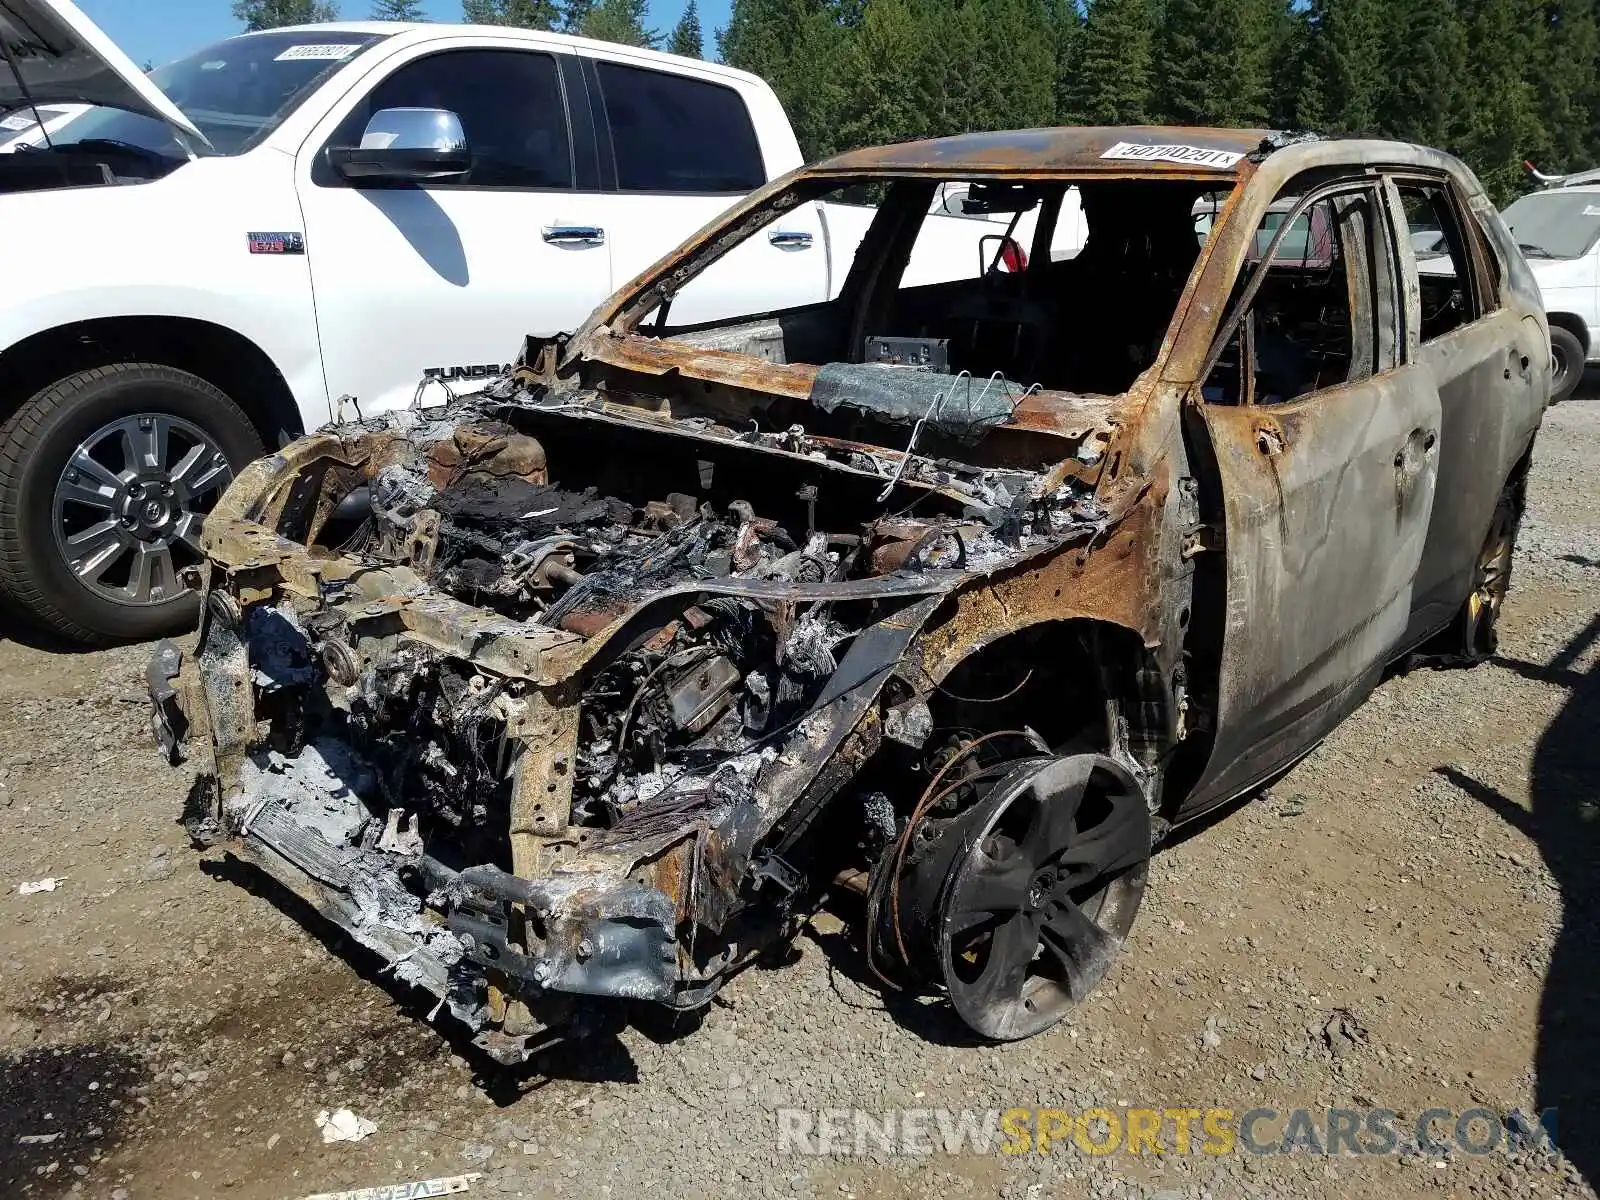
x=1495, y=81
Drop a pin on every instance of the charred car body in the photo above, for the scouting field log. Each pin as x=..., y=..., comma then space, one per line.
x=956, y=596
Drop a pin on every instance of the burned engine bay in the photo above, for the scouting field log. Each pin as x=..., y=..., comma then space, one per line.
x=555, y=700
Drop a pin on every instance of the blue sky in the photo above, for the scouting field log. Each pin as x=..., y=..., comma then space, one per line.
x=159, y=30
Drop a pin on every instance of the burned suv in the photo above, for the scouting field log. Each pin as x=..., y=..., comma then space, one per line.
x=949, y=597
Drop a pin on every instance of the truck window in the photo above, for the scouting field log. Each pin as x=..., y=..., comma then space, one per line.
x=674, y=134
x=511, y=106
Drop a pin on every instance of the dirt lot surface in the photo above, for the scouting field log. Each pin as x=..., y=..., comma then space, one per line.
x=1406, y=921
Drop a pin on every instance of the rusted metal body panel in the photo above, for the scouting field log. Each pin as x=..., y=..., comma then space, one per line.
x=1066, y=150
x=1325, y=531
x=583, y=690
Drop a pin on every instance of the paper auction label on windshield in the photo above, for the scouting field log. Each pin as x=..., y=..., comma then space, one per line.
x=1191, y=156
x=328, y=52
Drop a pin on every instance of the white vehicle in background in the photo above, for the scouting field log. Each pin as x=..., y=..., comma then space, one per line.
x=27, y=127
x=301, y=222
x=1067, y=235
x=1558, y=230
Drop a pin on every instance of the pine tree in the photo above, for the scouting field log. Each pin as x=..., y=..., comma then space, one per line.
x=1211, y=61
x=1421, y=98
x=803, y=48
x=573, y=15
x=1565, y=72
x=1286, y=70
x=618, y=21
x=883, y=103
x=1018, y=53
x=271, y=14
x=940, y=83
x=1066, y=38
x=523, y=14
x=1495, y=81
x=1344, y=74
x=397, y=10
x=1501, y=126
x=1112, y=85
x=687, y=39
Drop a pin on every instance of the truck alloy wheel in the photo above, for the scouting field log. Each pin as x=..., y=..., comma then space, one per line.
x=1566, y=363
x=104, y=478
x=130, y=492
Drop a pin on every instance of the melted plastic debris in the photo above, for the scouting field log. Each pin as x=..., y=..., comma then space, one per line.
x=322, y=787
x=809, y=646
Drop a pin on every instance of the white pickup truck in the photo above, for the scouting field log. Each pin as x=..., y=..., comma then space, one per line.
x=342, y=217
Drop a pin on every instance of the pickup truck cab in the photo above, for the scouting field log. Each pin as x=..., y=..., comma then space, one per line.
x=251, y=240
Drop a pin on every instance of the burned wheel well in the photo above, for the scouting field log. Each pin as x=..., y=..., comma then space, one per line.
x=1069, y=681
x=215, y=353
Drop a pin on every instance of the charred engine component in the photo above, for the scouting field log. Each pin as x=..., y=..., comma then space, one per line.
x=903, y=545
x=701, y=691
x=700, y=694
x=1013, y=884
x=437, y=732
x=531, y=548
x=486, y=452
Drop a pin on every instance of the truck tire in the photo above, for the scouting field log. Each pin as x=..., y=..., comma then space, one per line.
x=103, y=478
x=1566, y=363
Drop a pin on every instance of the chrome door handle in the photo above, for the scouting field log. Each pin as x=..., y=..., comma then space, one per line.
x=574, y=235
x=790, y=237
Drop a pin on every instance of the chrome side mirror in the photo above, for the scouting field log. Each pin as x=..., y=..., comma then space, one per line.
x=406, y=145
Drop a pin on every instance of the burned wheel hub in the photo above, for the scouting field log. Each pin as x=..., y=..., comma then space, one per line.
x=1491, y=581
x=1018, y=905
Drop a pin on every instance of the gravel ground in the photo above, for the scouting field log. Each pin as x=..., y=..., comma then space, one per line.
x=1406, y=921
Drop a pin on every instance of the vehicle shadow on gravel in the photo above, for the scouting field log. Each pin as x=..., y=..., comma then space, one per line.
x=855, y=983
x=58, y=1106
x=1565, y=824
x=600, y=1057
x=16, y=626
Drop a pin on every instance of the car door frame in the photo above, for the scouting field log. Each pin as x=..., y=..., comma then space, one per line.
x=582, y=133
x=1479, y=431
x=1296, y=657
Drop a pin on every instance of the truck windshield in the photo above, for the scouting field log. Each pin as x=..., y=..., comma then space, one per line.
x=1554, y=224
x=237, y=92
